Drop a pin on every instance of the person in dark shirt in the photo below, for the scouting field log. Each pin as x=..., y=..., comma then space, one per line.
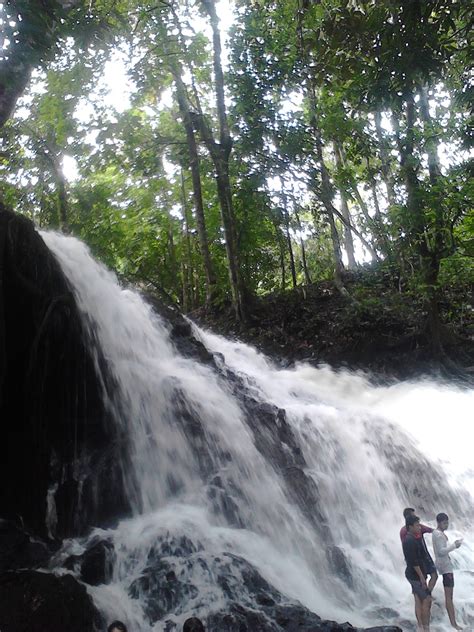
x=429, y=564
x=416, y=572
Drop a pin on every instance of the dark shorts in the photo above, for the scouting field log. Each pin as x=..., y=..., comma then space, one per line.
x=430, y=567
x=417, y=589
x=448, y=580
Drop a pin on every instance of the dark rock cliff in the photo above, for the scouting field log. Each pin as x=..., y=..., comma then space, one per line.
x=56, y=433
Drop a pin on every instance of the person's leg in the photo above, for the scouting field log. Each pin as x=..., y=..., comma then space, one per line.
x=433, y=580
x=426, y=613
x=448, y=594
x=418, y=612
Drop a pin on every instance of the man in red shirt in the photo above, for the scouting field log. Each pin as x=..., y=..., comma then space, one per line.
x=428, y=563
x=416, y=572
x=424, y=529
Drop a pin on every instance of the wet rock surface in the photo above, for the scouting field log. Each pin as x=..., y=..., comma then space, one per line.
x=95, y=565
x=168, y=585
x=31, y=601
x=19, y=549
x=59, y=451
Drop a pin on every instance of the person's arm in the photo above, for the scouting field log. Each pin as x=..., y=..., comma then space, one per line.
x=425, y=529
x=403, y=534
x=441, y=546
x=421, y=576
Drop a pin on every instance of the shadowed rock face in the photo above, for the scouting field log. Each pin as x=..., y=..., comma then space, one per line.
x=56, y=433
x=95, y=565
x=31, y=601
x=19, y=549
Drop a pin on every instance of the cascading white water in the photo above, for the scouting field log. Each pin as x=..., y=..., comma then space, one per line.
x=346, y=428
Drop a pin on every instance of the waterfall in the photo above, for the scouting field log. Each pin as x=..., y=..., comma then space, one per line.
x=236, y=464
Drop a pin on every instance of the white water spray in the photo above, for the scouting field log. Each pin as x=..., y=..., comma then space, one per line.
x=355, y=438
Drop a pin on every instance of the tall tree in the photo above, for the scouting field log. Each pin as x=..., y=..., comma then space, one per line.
x=194, y=165
x=348, y=241
x=220, y=153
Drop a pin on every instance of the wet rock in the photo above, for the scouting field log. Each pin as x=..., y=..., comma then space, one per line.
x=338, y=562
x=164, y=585
x=383, y=628
x=287, y=618
x=276, y=441
x=31, y=601
x=95, y=565
x=238, y=619
x=20, y=550
x=179, y=572
x=180, y=331
x=160, y=591
x=225, y=500
x=56, y=431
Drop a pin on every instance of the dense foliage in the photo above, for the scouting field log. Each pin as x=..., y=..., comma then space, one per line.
x=313, y=138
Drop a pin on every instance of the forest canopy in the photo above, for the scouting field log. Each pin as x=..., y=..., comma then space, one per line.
x=219, y=151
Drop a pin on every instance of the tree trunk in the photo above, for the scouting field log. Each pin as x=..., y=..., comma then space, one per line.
x=173, y=261
x=382, y=239
x=290, y=245
x=194, y=164
x=365, y=212
x=220, y=154
x=286, y=218
x=326, y=188
x=348, y=241
x=437, y=248
x=429, y=260
x=281, y=249
x=303, y=249
x=188, y=303
x=385, y=160
x=431, y=145
x=282, y=260
x=14, y=78
x=408, y=167
x=336, y=246
x=326, y=199
x=63, y=210
x=53, y=156
x=434, y=168
x=184, y=287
